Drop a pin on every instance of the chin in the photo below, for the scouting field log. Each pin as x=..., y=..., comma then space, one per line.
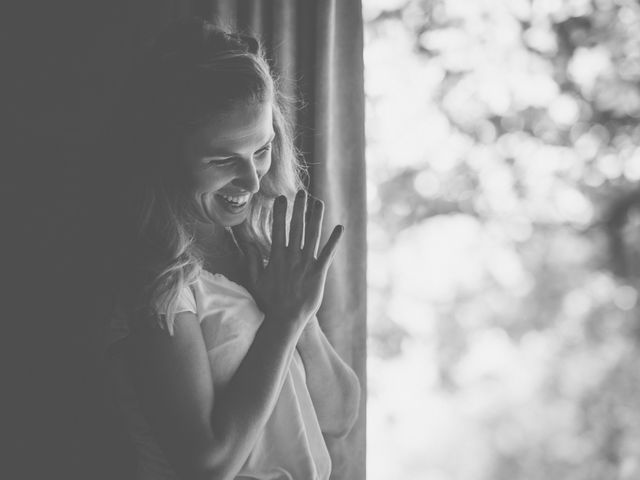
x=235, y=222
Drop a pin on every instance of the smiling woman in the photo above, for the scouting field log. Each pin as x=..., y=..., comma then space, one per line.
x=217, y=360
x=227, y=159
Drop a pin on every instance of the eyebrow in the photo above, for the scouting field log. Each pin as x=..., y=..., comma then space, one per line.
x=224, y=153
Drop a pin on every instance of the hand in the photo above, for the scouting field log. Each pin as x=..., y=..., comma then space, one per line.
x=290, y=287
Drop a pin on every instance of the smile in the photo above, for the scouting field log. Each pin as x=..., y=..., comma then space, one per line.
x=236, y=201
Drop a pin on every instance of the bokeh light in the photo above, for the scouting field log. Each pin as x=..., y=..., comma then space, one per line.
x=503, y=156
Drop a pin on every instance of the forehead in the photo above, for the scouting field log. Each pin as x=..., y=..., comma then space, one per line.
x=241, y=127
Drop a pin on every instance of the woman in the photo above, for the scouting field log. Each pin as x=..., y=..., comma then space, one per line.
x=219, y=365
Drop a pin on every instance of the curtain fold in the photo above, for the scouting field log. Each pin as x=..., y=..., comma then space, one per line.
x=337, y=174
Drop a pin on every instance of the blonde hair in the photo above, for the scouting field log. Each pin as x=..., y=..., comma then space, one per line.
x=193, y=71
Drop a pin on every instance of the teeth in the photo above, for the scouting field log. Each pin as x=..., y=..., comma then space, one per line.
x=236, y=199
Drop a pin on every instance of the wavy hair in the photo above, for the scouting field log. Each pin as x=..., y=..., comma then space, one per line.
x=192, y=72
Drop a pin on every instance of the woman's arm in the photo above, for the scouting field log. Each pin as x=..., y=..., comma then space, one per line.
x=206, y=437
x=334, y=387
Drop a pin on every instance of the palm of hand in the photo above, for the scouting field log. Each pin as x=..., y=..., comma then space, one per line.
x=291, y=286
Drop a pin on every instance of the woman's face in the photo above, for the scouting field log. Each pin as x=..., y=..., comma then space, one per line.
x=226, y=159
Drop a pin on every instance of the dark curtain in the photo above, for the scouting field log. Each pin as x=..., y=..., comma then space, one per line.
x=68, y=62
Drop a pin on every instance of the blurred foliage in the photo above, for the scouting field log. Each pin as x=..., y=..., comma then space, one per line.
x=503, y=166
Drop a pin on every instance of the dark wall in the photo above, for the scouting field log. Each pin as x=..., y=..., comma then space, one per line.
x=65, y=66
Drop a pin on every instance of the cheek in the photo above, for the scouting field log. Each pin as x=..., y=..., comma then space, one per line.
x=206, y=181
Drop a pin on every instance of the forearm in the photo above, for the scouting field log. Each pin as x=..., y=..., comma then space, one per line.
x=333, y=386
x=241, y=411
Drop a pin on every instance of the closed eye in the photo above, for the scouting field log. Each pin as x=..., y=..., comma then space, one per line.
x=227, y=161
x=265, y=149
x=221, y=162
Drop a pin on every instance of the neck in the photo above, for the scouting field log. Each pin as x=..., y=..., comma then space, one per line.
x=210, y=237
x=218, y=247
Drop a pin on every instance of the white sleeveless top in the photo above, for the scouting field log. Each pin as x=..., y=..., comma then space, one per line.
x=291, y=446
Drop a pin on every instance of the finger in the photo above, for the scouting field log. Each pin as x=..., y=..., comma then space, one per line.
x=329, y=250
x=297, y=221
x=313, y=228
x=278, y=233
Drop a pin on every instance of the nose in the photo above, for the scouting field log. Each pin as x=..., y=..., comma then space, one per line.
x=248, y=177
